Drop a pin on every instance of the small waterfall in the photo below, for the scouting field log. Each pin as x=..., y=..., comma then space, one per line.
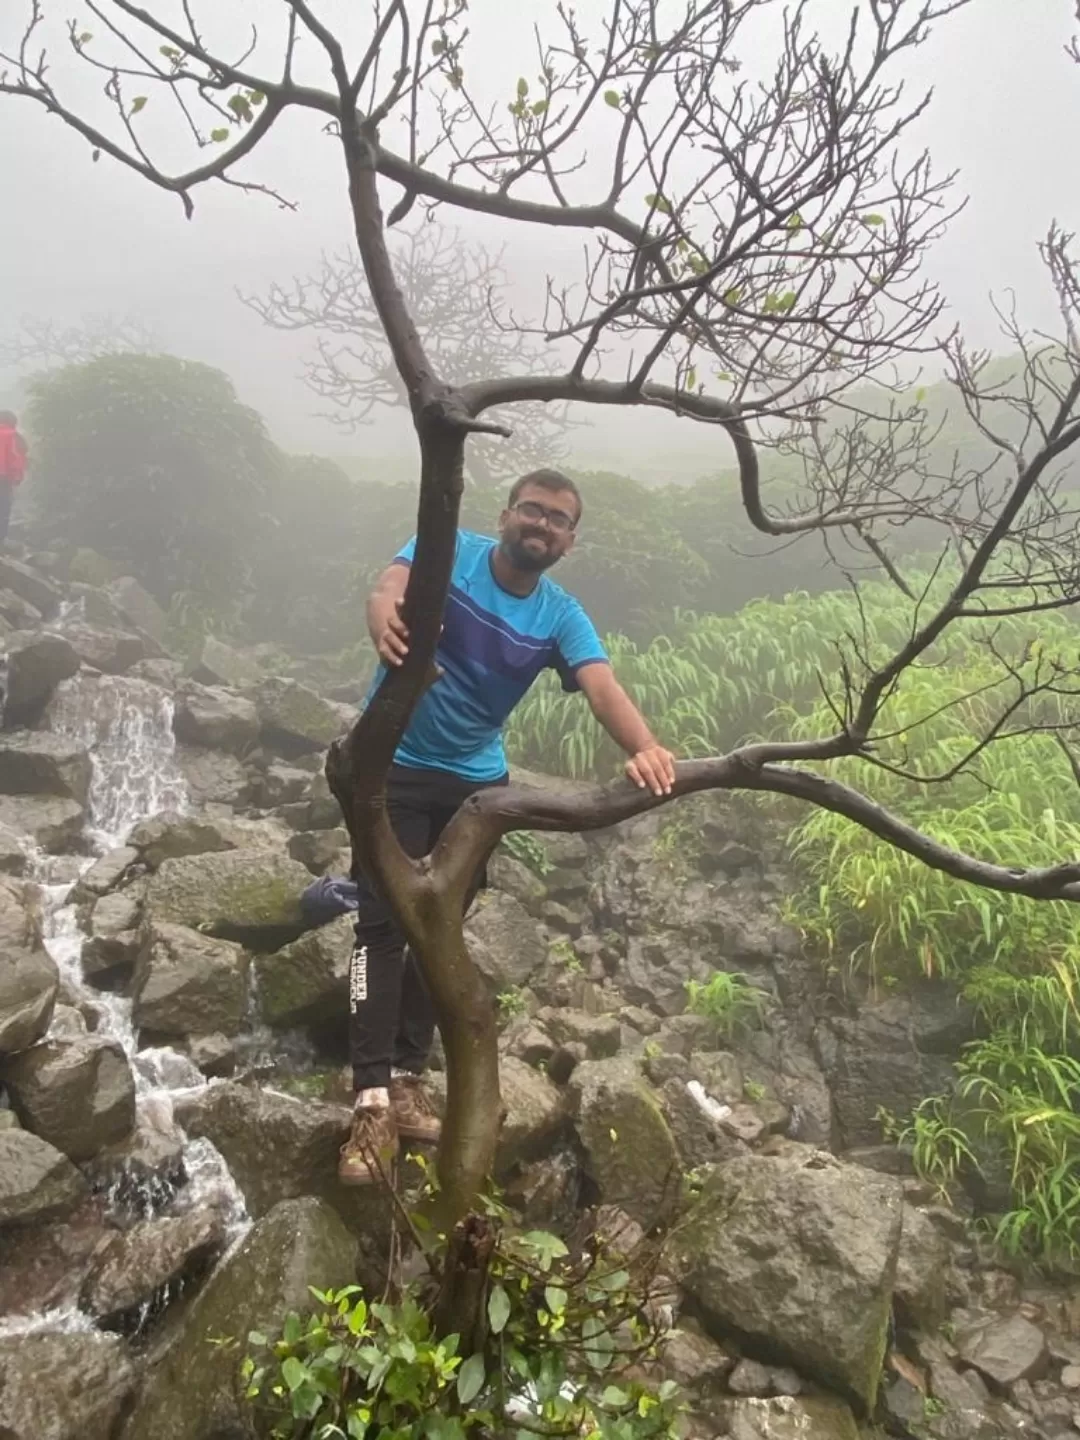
x=126, y=726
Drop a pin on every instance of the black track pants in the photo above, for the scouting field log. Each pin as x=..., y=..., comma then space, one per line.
x=391, y=1020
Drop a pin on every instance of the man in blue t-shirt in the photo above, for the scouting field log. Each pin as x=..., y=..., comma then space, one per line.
x=504, y=623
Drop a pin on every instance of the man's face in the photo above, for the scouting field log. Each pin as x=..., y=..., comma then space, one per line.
x=539, y=529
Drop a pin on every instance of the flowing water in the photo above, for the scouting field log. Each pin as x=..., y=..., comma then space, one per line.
x=126, y=726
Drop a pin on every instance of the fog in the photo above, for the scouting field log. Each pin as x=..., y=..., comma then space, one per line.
x=80, y=238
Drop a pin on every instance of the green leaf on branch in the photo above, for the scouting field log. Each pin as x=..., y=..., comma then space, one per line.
x=873, y=219
x=219, y=135
x=657, y=202
x=522, y=88
x=85, y=38
x=540, y=107
x=498, y=1310
x=795, y=223
x=555, y=1299
x=470, y=1379
x=138, y=103
x=786, y=302
x=293, y=1372
x=732, y=297
x=612, y=98
x=240, y=106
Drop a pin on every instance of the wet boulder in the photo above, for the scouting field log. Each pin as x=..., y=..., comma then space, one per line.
x=29, y=981
x=113, y=942
x=133, y=1267
x=139, y=606
x=215, y=717
x=195, y=1390
x=630, y=1152
x=504, y=940
x=66, y=1385
x=49, y=821
x=37, y=762
x=30, y=585
x=1004, y=1349
x=307, y=982
x=213, y=777
x=105, y=874
x=78, y=1094
x=248, y=895
x=221, y=664
x=295, y=720
x=113, y=652
x=171, y=836
x=809, y=1417
x=37, y=662
x=37, y=1182
x=797, y=1254
x=187, y=983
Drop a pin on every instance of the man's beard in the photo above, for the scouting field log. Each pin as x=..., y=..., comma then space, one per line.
x=522, y=558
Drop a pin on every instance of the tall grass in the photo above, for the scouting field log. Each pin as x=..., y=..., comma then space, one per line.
x=875, y=914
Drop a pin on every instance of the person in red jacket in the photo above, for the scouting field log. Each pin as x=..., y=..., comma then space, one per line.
x=13, y=454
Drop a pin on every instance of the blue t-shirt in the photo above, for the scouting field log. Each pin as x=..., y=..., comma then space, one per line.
x=492, y=648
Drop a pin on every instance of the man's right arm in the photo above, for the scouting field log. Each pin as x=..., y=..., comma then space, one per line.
x=388, y=631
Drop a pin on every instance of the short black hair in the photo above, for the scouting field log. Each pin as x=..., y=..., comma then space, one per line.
x=549, y=480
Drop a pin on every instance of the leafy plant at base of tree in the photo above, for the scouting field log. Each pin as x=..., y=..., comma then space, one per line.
x=561, y=1333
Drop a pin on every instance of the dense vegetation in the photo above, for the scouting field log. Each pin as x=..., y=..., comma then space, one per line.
x=879, y=918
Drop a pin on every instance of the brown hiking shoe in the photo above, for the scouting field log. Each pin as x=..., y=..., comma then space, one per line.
x=413, y=1110
x=371, y=1149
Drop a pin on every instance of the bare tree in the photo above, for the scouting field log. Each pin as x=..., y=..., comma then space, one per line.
x=752, y=249
x=455, y=293
x=41, y=343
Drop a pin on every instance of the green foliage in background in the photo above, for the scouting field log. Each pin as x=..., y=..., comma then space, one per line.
x=154, y=463
x=560, y=1336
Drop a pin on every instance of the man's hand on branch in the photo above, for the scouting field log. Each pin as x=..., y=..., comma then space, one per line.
x=652, y=769
x=392, y=635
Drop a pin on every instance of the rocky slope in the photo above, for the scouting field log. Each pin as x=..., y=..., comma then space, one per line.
x=172, y=1037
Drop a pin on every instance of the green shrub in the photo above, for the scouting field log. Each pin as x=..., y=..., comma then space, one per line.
x=727, y=999
x=561, y=1333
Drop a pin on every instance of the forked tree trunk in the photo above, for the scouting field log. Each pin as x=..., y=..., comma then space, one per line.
x=427, y=906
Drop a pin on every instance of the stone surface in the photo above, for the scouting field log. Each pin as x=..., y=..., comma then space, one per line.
x=220, y=664
x=630, y=1152
x=194, y=1392
x=1005, y=1349
x=30, y=585
x=890, y=1055
x=921, y=1272
x=504, y=940
x=323, y=852
x=37, y=1182
x=133, y=1266
x=600, y=1034
x=12, y=853
x=113, y=652
x=534, y=1110
x=140, y=607
x=248, y=895
x=214, y=716
x=307, y=982
x=29, y=979
x=798, y=1253
x=37, y=662
x=171, y=836
x=34, y=762
x=105, y=874
x=63, y=1386
x=817, y=1417
x=294, y=719
x=79, y=1095
x=54, y=823
x=212, y=777
x=278, y=1147
x=189, y=984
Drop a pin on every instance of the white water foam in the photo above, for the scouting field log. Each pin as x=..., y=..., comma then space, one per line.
x=126, y=726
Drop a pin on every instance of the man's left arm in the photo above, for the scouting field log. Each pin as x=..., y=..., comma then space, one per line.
x=651, y=766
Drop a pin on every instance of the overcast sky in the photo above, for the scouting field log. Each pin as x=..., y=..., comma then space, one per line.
x=78, y=238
